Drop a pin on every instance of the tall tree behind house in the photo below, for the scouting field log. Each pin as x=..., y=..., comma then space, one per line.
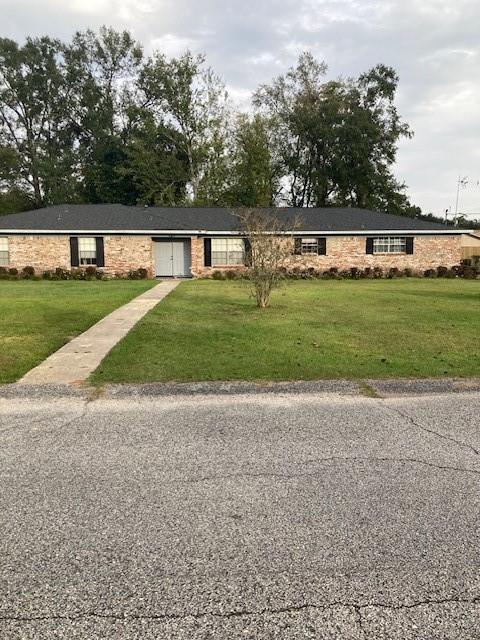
x=94, y=120
x=336, y=140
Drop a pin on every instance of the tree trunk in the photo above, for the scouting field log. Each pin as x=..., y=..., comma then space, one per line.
x=36, y=185
x=38, y=194
x=34, y=169
x=193, y=174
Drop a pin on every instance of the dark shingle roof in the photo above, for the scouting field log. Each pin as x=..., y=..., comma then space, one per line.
x=118, y=218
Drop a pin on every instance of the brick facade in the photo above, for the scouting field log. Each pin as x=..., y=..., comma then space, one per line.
x=46, y=253
x=198, y=258
x=43, y=253
x=345, y=252
x=123, y=253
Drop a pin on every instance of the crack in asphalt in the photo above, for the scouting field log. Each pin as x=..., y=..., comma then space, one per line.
x=267, y=474
x=287, y=476
x=239, y=613
x=358, y=612
x=416, y=424
x=442, y=467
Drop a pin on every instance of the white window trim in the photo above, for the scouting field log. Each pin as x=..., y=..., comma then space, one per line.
x=4, y=242
x=313, y=242
x=390, y=240
x=228, y=251
x=89, y=260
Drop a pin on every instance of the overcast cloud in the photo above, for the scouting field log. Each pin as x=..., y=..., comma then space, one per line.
x=433, y=44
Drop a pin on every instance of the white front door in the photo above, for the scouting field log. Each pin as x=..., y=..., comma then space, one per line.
x=178, y=258
x=172, y=258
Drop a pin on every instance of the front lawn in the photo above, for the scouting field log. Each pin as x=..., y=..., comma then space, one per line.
x=208, y=330
x=37, y=318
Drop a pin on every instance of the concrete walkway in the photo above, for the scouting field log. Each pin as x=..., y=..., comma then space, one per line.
x=76, y=360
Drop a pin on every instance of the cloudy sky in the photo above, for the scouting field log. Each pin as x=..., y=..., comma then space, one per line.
x=433, y=44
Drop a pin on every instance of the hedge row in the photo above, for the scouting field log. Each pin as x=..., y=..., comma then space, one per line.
x=354, y=273
x=295, y=273
x=89, y=273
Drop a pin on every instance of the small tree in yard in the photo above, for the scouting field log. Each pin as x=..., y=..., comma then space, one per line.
x=269, y=244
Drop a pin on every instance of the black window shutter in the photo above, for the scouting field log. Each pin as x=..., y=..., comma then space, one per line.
x=74, y=261
x=207, y=251
x=248, y=251
x=322, y=246
x=409, y=245
x=100, y=252
x=298, y=247
x=369, y=245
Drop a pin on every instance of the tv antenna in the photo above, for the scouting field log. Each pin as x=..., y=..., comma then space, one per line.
x=461, y=184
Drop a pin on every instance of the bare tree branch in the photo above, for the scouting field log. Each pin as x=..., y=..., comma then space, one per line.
x=269, y=244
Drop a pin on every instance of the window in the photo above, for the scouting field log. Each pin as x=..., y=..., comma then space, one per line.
x=228, y=251
x=4, y=257
x=87, y=251
x=389, y=245
x=309, y=245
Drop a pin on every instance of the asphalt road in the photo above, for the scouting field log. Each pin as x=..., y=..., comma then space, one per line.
x=253, y=517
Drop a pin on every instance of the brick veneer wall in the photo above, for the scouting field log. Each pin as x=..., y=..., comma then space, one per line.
x=44, y=253
x=123, y=253
x=345, y=252
x=198, y=258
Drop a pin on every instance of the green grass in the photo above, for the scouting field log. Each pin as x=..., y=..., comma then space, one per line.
x=37, y=318
x=206, y=330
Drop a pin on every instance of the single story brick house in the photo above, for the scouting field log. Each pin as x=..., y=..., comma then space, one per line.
x=194, y=241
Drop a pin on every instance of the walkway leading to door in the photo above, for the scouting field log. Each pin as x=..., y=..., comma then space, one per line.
x=76, y=360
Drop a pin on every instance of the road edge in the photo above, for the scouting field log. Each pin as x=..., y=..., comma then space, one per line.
x=384, y=388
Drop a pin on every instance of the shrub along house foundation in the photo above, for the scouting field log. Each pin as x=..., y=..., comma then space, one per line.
x=186, y=242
